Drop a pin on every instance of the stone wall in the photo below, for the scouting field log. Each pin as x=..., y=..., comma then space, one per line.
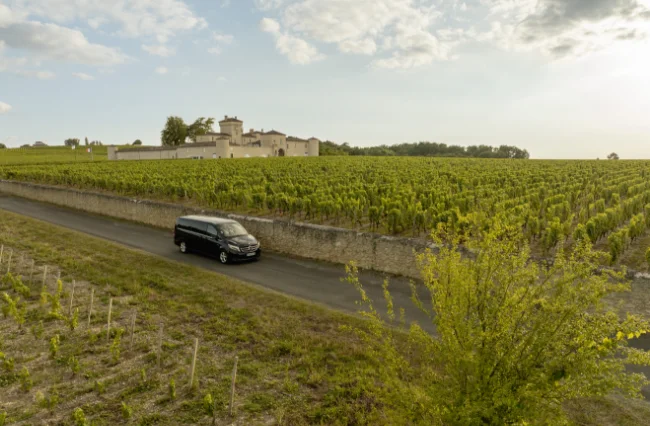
x=382, y=253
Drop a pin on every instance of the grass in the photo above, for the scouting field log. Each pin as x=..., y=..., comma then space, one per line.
x=296, y=365
x=51, y=154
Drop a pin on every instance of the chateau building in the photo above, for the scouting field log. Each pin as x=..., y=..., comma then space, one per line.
x=229, y=142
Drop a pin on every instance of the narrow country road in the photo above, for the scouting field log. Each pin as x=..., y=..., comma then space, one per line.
x=315, y=281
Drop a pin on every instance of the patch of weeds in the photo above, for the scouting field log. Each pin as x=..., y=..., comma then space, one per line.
x=127, y=412
x=38, y=330
x=74, y=365
x=259, y=402
x=172, y=389
x=100, y=387
x=26, y=381
x=151, y=419
x=55, y=343
x=115, y=348
x=79, y=418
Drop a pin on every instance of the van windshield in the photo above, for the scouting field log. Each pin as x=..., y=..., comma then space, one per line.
x=232, y=230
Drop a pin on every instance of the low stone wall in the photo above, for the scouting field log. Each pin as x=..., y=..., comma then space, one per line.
x=382, y=253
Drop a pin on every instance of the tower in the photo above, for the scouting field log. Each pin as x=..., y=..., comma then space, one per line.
x=313, y=147
x=234, y=127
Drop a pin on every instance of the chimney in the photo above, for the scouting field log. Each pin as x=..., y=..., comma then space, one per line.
x=252, y=131
x=225, y=117
x=235, y=117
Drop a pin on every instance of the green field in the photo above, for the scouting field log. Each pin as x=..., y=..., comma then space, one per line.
x=297, y=364
x=605, y=201
x=51, y=154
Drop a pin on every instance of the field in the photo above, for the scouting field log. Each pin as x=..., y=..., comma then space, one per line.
x=605, y=201
x=296, y=364
x=52, y=154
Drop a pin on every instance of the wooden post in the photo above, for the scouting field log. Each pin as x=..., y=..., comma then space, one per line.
x=2, y=250
x=160, y=338
x=196, y=350
x=71, y=298
x=31, y=271
x=232, y=387
x=108, y=327
x=90, y=309
x=58, y=275
x=20, y=262
x=132, y=328
x=11, y=253
x=44, y=275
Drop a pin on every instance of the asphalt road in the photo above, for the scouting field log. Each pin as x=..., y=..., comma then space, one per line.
x=315, y=281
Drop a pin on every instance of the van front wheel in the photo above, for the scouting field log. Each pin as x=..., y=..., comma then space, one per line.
x=183, y=247
x=224, y=257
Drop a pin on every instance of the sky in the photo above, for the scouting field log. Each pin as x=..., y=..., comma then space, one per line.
x=560, y=78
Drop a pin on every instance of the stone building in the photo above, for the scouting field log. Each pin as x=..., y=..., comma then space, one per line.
x=229, y=142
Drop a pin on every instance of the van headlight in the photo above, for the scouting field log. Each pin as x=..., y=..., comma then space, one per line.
x=233, y=248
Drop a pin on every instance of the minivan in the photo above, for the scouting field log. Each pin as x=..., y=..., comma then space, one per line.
x=225, y=238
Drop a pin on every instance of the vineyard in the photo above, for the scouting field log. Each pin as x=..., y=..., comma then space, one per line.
x=51, y=154
x=607, y=202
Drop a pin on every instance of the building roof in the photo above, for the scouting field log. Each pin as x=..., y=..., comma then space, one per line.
x=196, y=144
x=142, y=148
x=208, y=219
x=39, y=143
x=314, y=138
x=274, y=132
x=216, y=134
x=295, y=139
x=251, y=134
x=227, y=119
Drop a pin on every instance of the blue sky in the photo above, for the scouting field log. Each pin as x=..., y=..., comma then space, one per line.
x=561, y=78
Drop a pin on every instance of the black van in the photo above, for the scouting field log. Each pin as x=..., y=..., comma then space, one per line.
x=215, y=236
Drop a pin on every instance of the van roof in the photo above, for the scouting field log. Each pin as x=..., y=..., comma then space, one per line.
x=208, y=219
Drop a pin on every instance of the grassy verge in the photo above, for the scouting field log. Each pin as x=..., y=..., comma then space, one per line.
x=296, y=365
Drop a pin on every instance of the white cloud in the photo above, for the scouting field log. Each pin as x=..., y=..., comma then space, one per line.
x=4, y=108
x=54, y=42
x=83, y=76
x=160, y=19
x=565, y=28
x=413, y=33
x=159, y=50
x=269, y=25
x=298, y=51
x=403, y=28
x=40, y=75
x=268, y=4
x=221, y=40
x=161, y=70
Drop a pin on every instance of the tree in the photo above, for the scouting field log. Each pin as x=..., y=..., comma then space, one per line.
x=137, y=142
x=200, y=127
x=71, y=142
x=174, y=133
x=514, y=339
x=86, y=140
x=3, y=146
x=96, y=143
x=613, y=156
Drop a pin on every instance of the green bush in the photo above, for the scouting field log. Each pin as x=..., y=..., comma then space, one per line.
x=514, y=339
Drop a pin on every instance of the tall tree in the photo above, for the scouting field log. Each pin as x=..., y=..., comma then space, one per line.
x=201, y=126
x=613, y=156
x=86, y=140
x=71, y=142
x=174, y=133
x=137, y=142
x=3, y=146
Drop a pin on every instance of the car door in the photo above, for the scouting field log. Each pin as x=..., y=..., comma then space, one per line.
x=198, y=236
x=213, y=241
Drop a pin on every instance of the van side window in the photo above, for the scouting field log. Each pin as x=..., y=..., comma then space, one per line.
x=212, y=231
x=201, y=227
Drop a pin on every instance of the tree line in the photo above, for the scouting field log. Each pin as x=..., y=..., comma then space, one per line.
x=425, y=149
